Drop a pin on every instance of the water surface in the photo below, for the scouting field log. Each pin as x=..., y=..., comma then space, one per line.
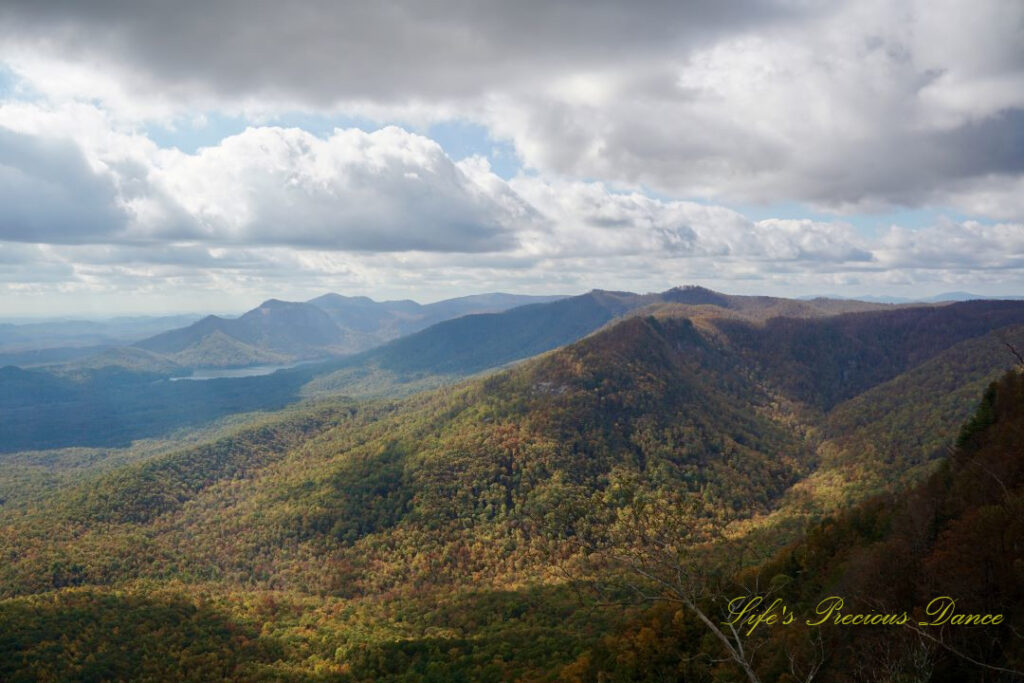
x=250, y=371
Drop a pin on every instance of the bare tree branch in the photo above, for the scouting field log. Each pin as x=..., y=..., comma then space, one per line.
x=941, y=643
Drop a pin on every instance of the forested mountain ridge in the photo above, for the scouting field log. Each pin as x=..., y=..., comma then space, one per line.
x=392, y=539
x=959, y=534
x=824, y=361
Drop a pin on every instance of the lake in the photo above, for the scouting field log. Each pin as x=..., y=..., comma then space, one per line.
x=250, y=371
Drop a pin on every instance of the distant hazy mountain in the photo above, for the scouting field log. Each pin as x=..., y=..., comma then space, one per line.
x=938, y=298
x=868, y=297
x=32, y=337
x=295, y=329
x=331, y=324
x=334, y=325
x=967, y=296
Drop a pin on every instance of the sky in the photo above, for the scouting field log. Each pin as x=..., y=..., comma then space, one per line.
x=204, y=156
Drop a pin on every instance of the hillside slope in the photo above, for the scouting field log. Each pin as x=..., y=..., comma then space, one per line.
x=931, y=556
x=824, y=361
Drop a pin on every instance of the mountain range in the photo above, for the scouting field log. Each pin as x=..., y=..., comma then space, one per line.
x=329, y=325
x=33, y=343
x=515, y=522
x=127, y=393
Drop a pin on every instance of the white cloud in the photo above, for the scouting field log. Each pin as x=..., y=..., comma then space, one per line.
x=870, y=105
x=592, y=220
x=49, y=193
x=850, y=106
x=276, y=211
x=998, y=196
x=958, y=246
x=389, y=190
x=856, y=105
x=75, y=179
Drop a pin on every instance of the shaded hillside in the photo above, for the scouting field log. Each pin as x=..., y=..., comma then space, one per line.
x=895, y=429
x=382, y=321
x=823, y=361
x=472, y=343
x=467, y=345
x=159, y=635
x=960, y=534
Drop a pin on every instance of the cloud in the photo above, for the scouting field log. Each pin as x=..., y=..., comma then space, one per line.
x=958, y=246
x=276, y=210
x=594, y=220
x=48, y=192
x=861, y=108
x=25, y=265
x=787, y=258
x=850, y=106
x=389, y=190
x=322, y=52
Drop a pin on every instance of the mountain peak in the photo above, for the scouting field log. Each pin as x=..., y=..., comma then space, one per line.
x=338, y=298
x=696, y=295
x=276, y=303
